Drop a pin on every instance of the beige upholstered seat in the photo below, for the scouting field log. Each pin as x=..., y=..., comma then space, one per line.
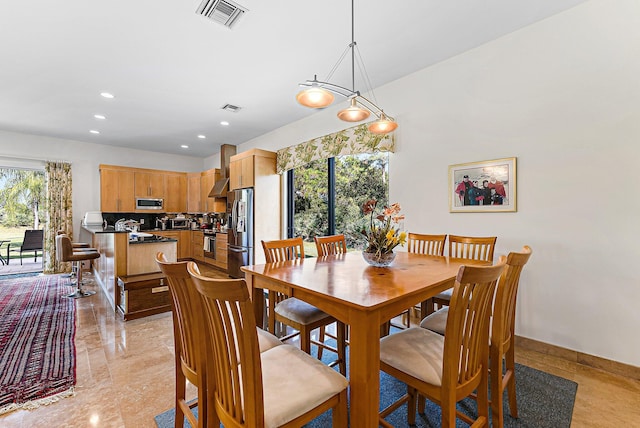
x=282, y=386
x=298, y=314
x=65, y=253
x=447, y=369
x=502, y=334
x=190, y=350
x=465, y=247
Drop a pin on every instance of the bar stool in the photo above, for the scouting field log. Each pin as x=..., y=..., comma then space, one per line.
x=77, y=246
x=65, y=253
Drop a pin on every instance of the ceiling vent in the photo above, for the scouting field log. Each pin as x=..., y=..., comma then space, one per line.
x=224, y=12
x=231, y=108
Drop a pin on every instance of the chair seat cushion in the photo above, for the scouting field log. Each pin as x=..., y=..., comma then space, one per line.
x=445, y=295
x=437, y=321
x=295, y=383
x=415, y=351
x=299, y=311
x=267, y=340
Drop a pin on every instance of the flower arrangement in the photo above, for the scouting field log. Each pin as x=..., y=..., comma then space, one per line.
x=384, y=231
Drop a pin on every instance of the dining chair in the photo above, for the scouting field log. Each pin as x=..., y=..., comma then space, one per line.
x=333, y=244
x=297, y=314
x=190, y=351
x=465, y=247
x=502, y=336
x=448, y=368
x=281, y=387
x=431, y=245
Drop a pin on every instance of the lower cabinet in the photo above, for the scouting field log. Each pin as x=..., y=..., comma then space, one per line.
x=143, y=295
x=221, y=251
x=197, y=245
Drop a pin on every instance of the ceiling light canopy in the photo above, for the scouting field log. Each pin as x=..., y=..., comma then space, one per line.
x=107, y=95
x=319, y=94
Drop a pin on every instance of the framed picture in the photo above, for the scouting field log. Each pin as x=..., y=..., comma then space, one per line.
x=487, y=186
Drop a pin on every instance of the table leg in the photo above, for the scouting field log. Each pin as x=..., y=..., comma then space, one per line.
x=364, y=369
x=257, y=297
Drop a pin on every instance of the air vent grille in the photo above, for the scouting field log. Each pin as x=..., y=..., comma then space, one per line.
x=231, y=108
x=224, y=12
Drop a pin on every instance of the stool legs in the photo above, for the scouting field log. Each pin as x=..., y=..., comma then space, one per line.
x=77, y=267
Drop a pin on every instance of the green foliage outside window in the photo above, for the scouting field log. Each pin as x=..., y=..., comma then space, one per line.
x=22, y=196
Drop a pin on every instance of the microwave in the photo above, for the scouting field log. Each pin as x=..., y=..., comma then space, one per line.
x=179, y=223
x=149, y=204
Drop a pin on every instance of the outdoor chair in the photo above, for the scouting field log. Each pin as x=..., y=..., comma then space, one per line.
x=32, y=241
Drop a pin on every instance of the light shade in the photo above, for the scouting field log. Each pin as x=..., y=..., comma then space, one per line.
x=315, y=97
x=384, y=125
x=353, y=113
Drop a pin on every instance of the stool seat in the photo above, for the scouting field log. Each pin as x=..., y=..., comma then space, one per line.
x=66, y=253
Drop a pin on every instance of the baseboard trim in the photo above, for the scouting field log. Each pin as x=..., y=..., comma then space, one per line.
x=610, y=366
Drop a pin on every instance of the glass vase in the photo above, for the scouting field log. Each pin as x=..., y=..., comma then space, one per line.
x=378, y=260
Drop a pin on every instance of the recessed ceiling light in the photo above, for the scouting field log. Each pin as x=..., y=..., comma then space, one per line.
x=107, y=95
x=93, y=131
x=184, y=146
x=224, y=123
x=99, y=116
x=202, y=137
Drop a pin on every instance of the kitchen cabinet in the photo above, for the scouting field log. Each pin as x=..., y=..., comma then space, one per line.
x=207, y=179
x=221, y=251
x=241, y=170
x=197, y=245
x=175, y=192
x=117, y=189
x=258, y=170
x=184, y=241
x=149, y=184
x=193, y=192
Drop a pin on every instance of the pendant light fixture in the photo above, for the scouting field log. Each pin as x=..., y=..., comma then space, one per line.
x=319, y=94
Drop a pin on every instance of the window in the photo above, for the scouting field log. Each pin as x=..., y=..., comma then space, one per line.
x=327, y=195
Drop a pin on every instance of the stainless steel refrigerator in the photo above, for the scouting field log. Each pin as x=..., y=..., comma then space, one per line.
x=240, y=232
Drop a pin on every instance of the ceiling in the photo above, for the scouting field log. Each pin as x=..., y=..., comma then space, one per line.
x=172, y=70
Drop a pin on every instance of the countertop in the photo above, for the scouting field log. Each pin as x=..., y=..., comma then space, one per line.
x=140, y=240
x=111, y=229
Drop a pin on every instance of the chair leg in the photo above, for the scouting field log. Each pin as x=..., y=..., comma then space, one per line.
x=483, y=398
x=341, y=337
x=340, y=414
x=79, y=291
x=321, y=339
x=511, y=383
x=495, y=376
x=305, y=340
x=180, y=396
x=411, y=405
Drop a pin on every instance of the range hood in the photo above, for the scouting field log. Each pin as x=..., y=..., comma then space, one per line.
x=221, y=187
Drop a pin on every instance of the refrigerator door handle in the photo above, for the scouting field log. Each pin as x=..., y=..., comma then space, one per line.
x=234, y=218
x=238, y=250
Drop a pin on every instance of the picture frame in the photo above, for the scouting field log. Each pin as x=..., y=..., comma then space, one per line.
x=486, y=186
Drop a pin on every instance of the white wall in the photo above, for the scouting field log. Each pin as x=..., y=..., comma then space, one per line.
x=22, y=150
x=563, y=97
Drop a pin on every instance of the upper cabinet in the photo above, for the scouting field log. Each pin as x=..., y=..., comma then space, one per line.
x=116, y=189
x=175, y=192
x=241, y=170
x=149, y=184
x=206, y=183
x=193, y=192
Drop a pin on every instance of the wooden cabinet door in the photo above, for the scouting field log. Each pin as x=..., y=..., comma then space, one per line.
x=207, y=180
x=175, y=197
x=149, y=185
x=235, y=171
x=126, y=196
x=184, y=251
x=241, y=173
x=193, y=192
x=197, y=246
x=117, y=191
x=108, y=190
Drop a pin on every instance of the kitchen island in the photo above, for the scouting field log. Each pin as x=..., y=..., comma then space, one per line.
x=122, y=257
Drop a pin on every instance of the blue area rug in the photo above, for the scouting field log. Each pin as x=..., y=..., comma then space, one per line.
x=544, y=401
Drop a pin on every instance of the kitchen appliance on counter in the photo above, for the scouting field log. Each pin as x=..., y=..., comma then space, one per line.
x=93, y=218
x=179, y=223
x=240, y=231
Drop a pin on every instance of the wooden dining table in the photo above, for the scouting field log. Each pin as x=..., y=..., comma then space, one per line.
x=362, y=296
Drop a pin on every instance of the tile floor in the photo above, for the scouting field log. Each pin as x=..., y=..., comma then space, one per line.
x=125, y=377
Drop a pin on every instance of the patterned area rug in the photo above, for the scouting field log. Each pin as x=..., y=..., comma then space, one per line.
x=37, y=341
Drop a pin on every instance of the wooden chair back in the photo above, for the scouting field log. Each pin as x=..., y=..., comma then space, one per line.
x=432, y=245
x=235, y=360
x=504, y=312
x=467, y=332
x=188, y=328
x=329, y=245
x=283, y=250
x=472, y=248
x=502, y=337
